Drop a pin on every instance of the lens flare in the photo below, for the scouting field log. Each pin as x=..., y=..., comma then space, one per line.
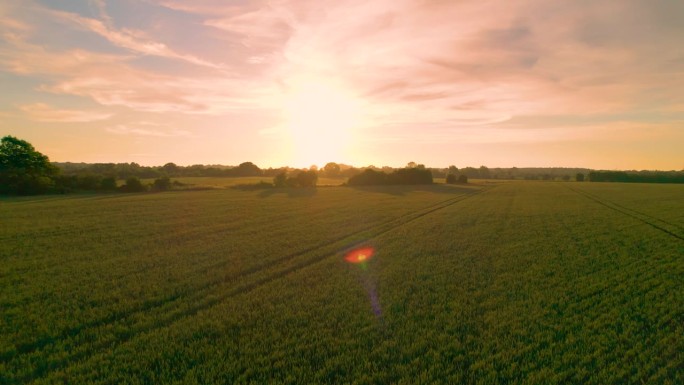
x=359, y=255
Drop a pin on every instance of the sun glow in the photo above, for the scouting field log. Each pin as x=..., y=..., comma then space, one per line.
x=321, y=120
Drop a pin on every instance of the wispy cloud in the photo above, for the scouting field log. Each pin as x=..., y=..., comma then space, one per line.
x=111, y=80
x=148, y=129
x=44, y=113
x=134, y=40
x=206, y=7
x=9, y=24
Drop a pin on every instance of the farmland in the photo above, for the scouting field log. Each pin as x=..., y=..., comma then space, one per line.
x=520, y=282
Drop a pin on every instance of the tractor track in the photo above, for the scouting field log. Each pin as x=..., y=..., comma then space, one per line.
x=642, y=217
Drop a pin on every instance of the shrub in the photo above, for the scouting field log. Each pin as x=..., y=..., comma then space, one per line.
x=108, y=183
x=133, y=184
x=368, y=177
x=302, y=179
x=410, y=176
x=280, y=180
x=306, y=179
x=89, y=182
x=404, y=176
x=162, y=184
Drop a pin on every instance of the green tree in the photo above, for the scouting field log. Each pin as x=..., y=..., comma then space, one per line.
x=331, y=169
x=306, y=179
x=579, y=177
x=280, y=180
x=247, y=169
x=484, y=172
x=23, y=170
x=170, y=169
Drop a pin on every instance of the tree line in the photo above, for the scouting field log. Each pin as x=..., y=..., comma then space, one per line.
x=637, y=176
x=25, y=171
x=330, y=170
x=126, y=170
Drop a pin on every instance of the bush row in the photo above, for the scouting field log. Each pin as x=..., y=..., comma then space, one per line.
x=404, y=176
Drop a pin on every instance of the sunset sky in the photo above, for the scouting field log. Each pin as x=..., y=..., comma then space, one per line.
x=596, y=84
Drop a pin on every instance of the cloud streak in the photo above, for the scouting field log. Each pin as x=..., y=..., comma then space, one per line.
x=44, y=113
x=133, y=40
x=148, y=129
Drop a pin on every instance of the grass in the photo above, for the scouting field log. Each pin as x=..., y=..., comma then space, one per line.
x=521, y=282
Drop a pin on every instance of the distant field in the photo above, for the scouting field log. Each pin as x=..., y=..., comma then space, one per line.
x=519, y=282
x=224, y=182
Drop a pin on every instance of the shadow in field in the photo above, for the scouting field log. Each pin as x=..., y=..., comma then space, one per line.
x=405, y=189
x=291, y=192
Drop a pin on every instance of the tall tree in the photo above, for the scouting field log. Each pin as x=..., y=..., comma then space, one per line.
x=247, y=169
x=23, y=170
x=331, y=169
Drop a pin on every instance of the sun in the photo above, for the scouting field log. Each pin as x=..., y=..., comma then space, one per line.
x=321, y=120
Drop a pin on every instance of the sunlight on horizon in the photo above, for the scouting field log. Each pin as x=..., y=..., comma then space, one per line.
x=322, y=120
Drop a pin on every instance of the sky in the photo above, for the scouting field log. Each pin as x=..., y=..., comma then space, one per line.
x=596, y=84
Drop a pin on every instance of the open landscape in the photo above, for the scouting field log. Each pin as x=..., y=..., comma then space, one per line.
x=509, y=282
x=341, y=192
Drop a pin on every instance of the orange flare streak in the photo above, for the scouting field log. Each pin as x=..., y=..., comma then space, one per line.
x=359, y=255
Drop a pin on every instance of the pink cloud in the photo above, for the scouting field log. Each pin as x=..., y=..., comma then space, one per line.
x=206, y=7
x=133, y=40
x=111, y=80
x=148, y=129
x=44, y=113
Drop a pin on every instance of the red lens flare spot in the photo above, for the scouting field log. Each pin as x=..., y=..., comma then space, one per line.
x=360, y=255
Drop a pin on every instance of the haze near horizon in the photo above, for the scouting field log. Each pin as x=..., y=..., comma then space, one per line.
x=304, y=82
